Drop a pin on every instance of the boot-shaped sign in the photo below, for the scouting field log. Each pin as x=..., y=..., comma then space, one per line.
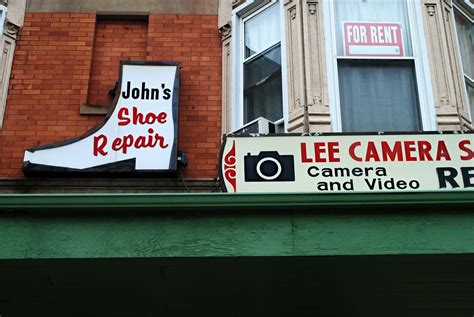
x=139, y=134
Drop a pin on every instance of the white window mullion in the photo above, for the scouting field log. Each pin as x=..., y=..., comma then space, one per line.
x=331, y=61
x=423, y=75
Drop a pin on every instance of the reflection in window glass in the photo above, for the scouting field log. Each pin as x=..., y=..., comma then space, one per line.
x=470, y=98
x=262, y=86
x=262, y=78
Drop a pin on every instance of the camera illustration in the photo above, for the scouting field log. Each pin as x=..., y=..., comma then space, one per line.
x=269, y=166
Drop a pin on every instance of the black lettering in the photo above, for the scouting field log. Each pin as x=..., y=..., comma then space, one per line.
x=145, y=92
x=135, y=93
x=357, y=171
x=401, y=184
x=335, y=186
x=349, y=185
x=370, y=184
x=414, y=184
x=380, y=171
x=155, y=94
x=447, y=175
x=313, y=171
x=166, y=94
x=468, y=176
x=126, y=93
x=322, y=186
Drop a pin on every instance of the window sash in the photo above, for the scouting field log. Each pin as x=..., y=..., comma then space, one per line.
x=273, y=6
x=423, y=87
x=372, y=93
x=244, y=114
x=258, y=100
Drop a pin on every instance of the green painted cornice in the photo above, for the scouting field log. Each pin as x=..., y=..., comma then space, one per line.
x=190, y=201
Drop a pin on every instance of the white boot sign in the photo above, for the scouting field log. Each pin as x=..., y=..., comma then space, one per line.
x=139, y=134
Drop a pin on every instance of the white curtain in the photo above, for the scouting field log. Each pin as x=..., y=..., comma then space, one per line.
x=372, y=11
x=378, y=96
x=262, y=31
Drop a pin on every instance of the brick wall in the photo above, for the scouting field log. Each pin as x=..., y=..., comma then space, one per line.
x=51, y=78
x=193, y=41
x=115, y=41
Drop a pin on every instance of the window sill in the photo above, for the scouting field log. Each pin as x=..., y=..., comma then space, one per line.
x=94, y=109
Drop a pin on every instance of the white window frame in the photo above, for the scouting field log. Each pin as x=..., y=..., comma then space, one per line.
x=4, y=89
x=3, y=10
x=420, y=58
x=239, y=15
x=466, y=78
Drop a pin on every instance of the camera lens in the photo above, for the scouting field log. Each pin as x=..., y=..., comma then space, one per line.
x=268, y=168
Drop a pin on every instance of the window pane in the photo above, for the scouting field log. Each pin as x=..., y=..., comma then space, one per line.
x=373, y=11
x=262, y=87
x=470, y=98
x=378, y=96
x=465, y=31
x=262, y=31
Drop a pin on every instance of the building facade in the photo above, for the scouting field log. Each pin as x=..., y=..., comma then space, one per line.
x=127, y=243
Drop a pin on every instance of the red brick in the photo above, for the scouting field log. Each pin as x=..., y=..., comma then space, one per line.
x=54, y=62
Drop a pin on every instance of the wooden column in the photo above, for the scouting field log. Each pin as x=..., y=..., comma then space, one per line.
x=225, y=29
x=446, y=72
x=307, y=74
x=13, y=23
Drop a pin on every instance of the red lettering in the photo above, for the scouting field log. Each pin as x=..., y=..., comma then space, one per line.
x=318, y=150
x=372, y=153
x=161, y=140
x=304, y=155
x=99, y=143
x=123, y=120
x=442, y=152
x=392, y=154
x=124, y=143
x=138, y=117
x=463, y=146
x=424, y=148
x=162, y=117
x=127, y=142
x=333, y=148
x=117, y=144
x=352, y=153
x=409, y=148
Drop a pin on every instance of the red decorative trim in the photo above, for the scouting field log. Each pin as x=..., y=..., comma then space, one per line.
x=230, y=172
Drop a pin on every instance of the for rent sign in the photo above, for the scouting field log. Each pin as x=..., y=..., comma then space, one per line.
x=372, y=39
x=348, y=163
x=138, y=134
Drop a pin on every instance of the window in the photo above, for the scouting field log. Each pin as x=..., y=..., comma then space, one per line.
x=377, y=80
x=258, y=59
x=465, y=33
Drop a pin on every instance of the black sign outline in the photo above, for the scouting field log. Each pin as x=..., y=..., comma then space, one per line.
x=120, y=168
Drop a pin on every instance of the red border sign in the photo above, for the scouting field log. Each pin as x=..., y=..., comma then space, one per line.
x=373, y=39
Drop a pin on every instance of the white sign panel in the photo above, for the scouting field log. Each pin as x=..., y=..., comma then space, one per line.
x=139, y=134
x=348, y=163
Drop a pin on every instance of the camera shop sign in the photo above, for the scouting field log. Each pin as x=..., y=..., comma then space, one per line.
x=138, y=134
x=348, y=163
